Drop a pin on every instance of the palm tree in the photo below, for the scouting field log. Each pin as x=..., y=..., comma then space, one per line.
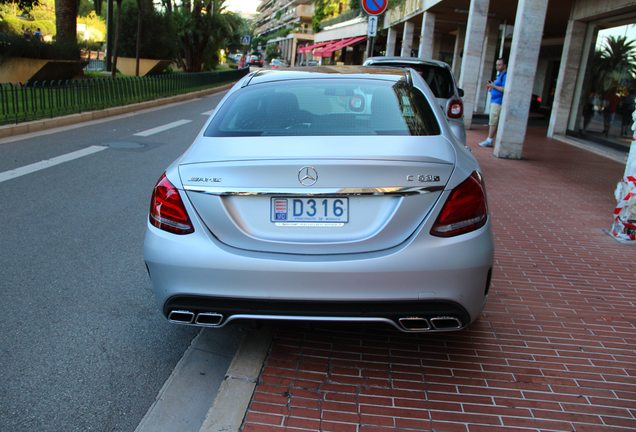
x=615, y=64
x=202, y=27
x=225, y=32
x=66, y=21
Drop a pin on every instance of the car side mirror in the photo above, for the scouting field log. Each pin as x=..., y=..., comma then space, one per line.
x=461, y=92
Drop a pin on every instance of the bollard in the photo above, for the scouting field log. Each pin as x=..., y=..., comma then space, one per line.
x=624, y=226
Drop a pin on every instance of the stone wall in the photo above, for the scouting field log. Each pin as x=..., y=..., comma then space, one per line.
x=21, y=70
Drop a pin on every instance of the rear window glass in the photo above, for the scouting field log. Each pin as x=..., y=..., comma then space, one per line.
x=325, y=107
x=438, y=78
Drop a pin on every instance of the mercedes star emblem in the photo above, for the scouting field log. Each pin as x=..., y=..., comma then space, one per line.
x=308, y=176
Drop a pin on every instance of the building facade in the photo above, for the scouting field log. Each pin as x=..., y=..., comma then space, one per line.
x=548, y=45
x=286, y=23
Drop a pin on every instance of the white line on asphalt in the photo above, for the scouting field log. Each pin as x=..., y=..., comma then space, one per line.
x=162, y=128
x=28, y=169
x=207, y=113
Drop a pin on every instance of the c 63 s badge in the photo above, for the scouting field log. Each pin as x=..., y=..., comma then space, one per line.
x=422, y=178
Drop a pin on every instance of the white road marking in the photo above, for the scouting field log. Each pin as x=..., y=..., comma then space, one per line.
x=162, y=128
x=207, y=113
x=28, y=169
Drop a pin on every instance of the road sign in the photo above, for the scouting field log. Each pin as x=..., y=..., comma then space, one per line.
x=373, y=26
x=374, y=7
x=245, y=40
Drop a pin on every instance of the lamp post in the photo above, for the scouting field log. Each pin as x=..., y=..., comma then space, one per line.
x=624, y=226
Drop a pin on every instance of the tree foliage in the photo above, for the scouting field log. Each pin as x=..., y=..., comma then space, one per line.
x=22, y=4
x=12, y=45
x=324, y=9
x=157, y=36
x=192, y=35
x=95, y=25
x=88, y=6
x=202, y=28
x=614, y=65
x=240, y=27
x=17, y=27
x=16, y=21
x=272, y=51
x=327, y=9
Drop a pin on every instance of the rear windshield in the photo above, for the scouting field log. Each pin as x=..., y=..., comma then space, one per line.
x=438, y=78
x=311, y=107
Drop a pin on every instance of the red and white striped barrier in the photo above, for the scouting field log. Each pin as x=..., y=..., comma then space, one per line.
x=624, y=226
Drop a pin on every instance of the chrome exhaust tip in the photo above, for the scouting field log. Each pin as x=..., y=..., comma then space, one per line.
x=446, y=323
x=210, y=319
x=181, y=317
x=414, y=324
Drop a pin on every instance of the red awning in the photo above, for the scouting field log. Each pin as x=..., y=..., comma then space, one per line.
x=337, y=45
x=306, y=48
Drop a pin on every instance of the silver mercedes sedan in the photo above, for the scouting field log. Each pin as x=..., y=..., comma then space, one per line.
x=323, y=194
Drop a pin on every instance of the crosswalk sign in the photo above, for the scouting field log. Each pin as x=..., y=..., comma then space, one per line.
x=245, y=40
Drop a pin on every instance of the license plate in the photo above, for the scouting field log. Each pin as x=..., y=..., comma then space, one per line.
x=310, y=210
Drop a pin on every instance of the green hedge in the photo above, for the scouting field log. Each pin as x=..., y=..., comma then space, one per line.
x=18, y=46
x=16, y=25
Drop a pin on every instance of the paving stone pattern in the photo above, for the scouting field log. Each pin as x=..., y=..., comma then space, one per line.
x=555, y=349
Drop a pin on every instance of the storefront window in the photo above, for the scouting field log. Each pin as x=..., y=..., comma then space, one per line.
x=608, y=102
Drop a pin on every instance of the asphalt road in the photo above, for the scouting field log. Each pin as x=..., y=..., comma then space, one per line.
x=83, y=345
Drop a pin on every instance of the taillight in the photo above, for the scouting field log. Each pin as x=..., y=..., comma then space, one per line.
x=464, y=211
x=167, y=211
x=455, y=109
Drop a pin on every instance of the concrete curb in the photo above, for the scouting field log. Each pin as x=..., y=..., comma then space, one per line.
x=236, y=390
x=7, y=131
x=185, y=398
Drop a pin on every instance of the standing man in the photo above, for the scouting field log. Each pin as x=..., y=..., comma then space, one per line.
x=496, y=89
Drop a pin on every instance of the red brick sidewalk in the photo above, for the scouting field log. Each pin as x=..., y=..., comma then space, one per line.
x=555, y=349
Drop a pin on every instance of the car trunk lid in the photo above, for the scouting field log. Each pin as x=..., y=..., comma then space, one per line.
x=318, y=196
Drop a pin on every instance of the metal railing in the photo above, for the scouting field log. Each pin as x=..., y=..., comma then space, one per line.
x=47, y=99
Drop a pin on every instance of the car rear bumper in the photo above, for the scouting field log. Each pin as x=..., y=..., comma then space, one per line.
x=405, y=315
x=433, y=278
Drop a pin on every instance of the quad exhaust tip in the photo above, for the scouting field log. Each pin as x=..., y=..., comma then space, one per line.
x=446, y=323
x=181, y=317
x=210, y=319
x=207, y=319
x=415, y=323
x=421, y=324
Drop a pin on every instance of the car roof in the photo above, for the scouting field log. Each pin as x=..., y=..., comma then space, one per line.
x=389, y=74
x=406, y=60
